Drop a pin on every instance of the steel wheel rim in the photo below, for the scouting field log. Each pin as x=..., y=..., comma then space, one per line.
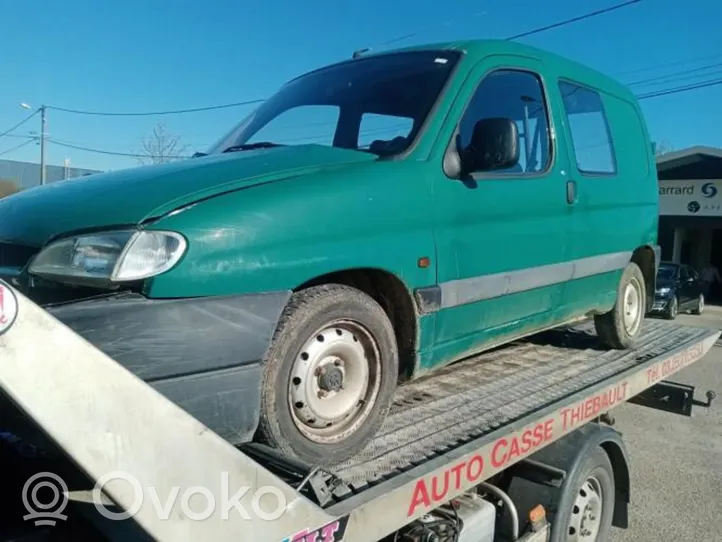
x=632, y=307
x=586, y=518
x=700, y=306
x=334, y=382
x=673, y=308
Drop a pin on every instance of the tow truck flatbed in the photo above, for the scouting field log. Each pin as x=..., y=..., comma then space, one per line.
x=486, y=393
x=446, y=433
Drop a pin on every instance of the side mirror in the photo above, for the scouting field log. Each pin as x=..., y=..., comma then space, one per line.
x=494, y=145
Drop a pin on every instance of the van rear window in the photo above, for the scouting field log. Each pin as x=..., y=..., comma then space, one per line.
x=589, y=129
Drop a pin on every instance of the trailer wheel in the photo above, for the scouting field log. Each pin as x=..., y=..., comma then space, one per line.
x=586, y=506
x=619, y=327
x=329, y=376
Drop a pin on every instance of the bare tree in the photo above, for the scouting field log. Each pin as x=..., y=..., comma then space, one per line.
x=662, y=147
x=161, y=146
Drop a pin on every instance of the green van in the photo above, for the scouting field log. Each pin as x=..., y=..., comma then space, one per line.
x=281, y=286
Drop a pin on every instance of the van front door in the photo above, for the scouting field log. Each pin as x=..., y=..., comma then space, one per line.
x=502, y=236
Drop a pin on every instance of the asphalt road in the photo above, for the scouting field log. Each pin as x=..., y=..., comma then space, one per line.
x=676, y=462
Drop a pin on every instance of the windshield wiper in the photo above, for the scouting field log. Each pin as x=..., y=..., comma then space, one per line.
x=252, y=146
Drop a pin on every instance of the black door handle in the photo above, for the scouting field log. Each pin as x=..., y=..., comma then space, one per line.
x=571, y=192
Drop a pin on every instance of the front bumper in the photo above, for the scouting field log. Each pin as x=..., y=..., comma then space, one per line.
x=661, y=303
x=204, y=354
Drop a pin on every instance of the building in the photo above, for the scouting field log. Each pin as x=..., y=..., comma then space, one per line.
x=27, y=174
x=690, y=206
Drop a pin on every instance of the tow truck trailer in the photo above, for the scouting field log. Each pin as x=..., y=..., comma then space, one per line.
x=513, y=444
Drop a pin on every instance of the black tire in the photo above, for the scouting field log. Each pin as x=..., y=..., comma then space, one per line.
x=597, y=467
x=699, y=307
x=610, y=326
x=672, y=309
x=306, y=317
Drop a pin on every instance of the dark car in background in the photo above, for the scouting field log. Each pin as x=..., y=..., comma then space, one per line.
x=679, y=288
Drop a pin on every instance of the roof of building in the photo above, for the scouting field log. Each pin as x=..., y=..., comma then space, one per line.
x=698, y=162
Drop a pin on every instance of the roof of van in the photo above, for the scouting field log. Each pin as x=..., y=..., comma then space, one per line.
x=483, y=47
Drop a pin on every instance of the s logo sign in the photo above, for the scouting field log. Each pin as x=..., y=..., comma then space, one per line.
x=709, y=190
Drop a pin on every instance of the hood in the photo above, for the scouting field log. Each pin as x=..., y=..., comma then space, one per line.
x=131, y=196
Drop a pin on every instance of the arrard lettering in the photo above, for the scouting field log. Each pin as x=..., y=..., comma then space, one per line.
x=670, y=190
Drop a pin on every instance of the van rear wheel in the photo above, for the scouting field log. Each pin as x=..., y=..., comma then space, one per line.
x=329, y=376
x=620, y=327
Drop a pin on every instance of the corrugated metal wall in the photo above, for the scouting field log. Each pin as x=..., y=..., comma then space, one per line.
x=27, y=174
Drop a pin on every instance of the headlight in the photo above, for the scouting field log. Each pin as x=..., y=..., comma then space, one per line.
x=663, y=291
x=110, y=257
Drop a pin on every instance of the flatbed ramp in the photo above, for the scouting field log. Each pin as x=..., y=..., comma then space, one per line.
x=445, y=434
x=475, y=397
x=476, y=418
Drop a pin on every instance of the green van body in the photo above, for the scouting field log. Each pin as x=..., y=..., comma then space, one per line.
x=463, y=265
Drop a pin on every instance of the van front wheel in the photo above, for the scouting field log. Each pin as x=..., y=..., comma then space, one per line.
x=620, y=327
x=329, y=375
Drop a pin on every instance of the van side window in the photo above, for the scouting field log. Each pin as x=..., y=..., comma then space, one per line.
x=516, y=95
x=589, y=129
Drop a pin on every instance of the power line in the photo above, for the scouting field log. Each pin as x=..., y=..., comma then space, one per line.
x=678, y=90
x=406, y=36
x=574, y=20
x=691, y=79
x=655, y=94
x=22, y=136
x=674, y=74
x=153, y=113
x=670, y=64
x=16, y=147
x=419, y=32
x=102, y=151
x=312, y=138
x=19, y=124
x=401, y=38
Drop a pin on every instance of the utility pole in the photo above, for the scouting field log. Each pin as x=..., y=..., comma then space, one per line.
x=42, y=110
x=42, y=144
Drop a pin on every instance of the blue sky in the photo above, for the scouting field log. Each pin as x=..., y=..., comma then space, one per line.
x=161, y=54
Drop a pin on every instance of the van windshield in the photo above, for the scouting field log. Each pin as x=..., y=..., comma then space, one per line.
x=376, y=104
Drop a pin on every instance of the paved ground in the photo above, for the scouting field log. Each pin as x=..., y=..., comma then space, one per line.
x=676, y=462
